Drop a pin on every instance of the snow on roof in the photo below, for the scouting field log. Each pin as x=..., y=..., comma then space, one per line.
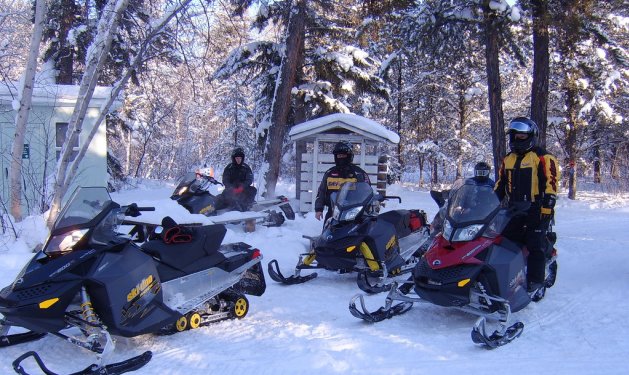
x=58, y=95
x=354, y=123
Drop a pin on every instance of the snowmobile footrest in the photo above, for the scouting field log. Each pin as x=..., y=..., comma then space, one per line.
x=497, y=339
x=363, y=283
x=130, y=364
x=385, y=312
x=19, y=338
x=276, y=275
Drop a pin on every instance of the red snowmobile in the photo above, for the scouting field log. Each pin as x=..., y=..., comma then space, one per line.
x=473, y=267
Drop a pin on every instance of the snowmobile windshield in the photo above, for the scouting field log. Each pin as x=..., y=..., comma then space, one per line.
x=186, y=181
x=84, y=205
x=472, y=203
x=353, y=194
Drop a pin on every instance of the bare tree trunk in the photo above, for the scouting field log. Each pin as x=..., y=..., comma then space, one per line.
x=597, y=164
x=65, y=61
x=572, y=112
x=541, y=67
x=282, y=98
x=399, y=110
x=107, y=27
x=21, y=121
x=420, y=160
x=494, y=87
x=157, y=29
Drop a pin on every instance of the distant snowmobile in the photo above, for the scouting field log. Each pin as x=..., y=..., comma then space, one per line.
x=357, y=238
x=193, y=194
x=472, y=267
x=92, y=278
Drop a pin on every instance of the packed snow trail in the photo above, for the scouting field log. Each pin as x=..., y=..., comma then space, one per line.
x=307, y=329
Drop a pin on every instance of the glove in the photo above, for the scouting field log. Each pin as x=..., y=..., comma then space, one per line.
x=548, y=206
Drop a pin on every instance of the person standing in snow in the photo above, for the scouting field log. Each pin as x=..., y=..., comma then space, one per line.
x=343, y=171
x=529, y=174
x=237, y=178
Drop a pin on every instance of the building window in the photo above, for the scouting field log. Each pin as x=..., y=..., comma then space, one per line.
x=61, y=128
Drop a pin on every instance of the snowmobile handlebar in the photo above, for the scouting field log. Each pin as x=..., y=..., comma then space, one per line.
x=213, y=180
x=134, y=210
x=385, y=197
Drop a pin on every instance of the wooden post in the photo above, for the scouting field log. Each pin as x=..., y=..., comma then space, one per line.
x=383, y=168
x=250, y=225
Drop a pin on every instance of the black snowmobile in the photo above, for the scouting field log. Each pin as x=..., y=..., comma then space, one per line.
x=92, y=278
x=357, y=238
x=472, y=267
x=192, y=192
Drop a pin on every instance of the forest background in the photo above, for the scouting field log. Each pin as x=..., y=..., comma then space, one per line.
x=193, y=79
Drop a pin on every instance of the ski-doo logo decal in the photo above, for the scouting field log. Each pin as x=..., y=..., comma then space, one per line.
x=144, y=286
x=436, y=262
x=391, y=242
x=334, y=183
x=207, y=209
x=517, y=280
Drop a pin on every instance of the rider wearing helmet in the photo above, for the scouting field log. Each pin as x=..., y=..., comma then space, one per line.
x=343, y=171
x=237, y=178
x=481, y=174
x=529, y=174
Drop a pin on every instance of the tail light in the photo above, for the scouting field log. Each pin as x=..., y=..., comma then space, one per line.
x=256, y=254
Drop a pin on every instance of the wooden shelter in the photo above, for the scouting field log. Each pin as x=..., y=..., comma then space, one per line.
x=315, y=140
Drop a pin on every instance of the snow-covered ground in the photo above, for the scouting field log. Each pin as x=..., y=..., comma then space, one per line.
x=579, y=328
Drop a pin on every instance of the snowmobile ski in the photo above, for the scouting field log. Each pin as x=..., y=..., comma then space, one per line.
x=385, y=312
x=498, y=338
x=276, y=275
x=121, y=367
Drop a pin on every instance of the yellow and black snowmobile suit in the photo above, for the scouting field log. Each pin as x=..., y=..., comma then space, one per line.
x=528, y=177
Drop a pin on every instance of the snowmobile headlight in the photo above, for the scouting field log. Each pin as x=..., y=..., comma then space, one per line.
x=468, y=233
x=351, y=214
x=64, y=243
x=182, y=190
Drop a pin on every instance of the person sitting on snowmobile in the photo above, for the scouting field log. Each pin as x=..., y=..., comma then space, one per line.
x=237, y=178
x=529, y=174
x=343, y=171
x=481, y=177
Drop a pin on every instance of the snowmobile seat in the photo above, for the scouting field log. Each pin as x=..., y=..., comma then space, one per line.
x=400, y=220
x=204, y=243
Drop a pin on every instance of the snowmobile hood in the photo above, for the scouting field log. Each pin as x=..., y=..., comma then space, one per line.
x=443, y=254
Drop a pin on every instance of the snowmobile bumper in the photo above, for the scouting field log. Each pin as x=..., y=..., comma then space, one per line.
x=449, y=287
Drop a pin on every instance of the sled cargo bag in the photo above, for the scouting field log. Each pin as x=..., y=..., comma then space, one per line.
x=418, y=219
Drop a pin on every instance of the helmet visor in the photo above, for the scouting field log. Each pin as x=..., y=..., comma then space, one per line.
x=521, y=127
x=481, y=172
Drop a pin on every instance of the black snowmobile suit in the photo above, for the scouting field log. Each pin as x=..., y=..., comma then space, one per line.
x=238, y=192
x=332, y=181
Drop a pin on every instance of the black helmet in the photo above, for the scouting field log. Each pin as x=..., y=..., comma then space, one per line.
x=343, y=147
x=481, y=171
x=238, y=151
x=522, y=125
